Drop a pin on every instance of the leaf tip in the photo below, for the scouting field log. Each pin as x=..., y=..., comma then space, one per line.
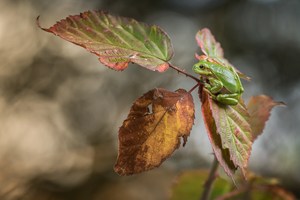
x=247, y=78
x=119, y=170
x=205, y=30
x=280, y=103
x=39, y=25
x=37, y=21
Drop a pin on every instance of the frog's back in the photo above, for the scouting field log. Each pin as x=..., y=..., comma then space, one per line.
x=228, y=77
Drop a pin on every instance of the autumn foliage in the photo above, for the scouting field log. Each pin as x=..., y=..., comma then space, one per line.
x=160, y=119
x=153, y=129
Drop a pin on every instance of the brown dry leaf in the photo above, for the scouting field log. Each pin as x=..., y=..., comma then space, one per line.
x=153, y=129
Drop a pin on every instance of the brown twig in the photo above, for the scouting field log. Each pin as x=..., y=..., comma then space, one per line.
x=213, y=171
x=179, y=70
x=193, y=88
x=210, y=180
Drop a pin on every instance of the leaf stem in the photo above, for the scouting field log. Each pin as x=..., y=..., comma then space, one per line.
x=193, y=88
x=179, y=70
x=211, y=178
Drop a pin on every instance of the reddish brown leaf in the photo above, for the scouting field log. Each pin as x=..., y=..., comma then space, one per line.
x=231, y=124
x=259, y=108
x=117, y=40
x=222, y=155
x=208, y=44
x=153, y=129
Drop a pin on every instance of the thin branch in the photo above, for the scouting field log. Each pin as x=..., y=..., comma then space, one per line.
x=193, y=88
x=179, y=70
x=210, y=180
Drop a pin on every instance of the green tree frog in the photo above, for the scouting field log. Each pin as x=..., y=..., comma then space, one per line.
x=221, y=81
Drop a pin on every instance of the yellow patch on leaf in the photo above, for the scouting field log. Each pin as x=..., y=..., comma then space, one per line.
x=153, y=129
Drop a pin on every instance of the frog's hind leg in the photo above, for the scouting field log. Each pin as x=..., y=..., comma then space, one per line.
x=228, y=99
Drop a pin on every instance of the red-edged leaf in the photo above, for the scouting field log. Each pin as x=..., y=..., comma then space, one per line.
x=208, y=44
x=231, y=124
x=222, y=155
x=117, y=40
x=153, y=129
x=211, y=48
x=259, y=108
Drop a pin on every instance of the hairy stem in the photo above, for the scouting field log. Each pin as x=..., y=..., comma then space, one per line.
x=179, y=70
x=210, y=180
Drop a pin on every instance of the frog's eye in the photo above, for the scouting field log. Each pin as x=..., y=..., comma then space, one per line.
x=201, y=66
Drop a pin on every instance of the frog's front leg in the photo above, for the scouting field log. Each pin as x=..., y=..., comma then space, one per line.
x=228, y=99
x=214, y=86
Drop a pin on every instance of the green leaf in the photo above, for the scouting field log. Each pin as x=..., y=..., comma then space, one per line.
x=211, y=48
x=258, y=188
x=231, y=124
x=222, y=155
x=268, y=192
x=259, y=108
x=189, y=185
x=117, y=40
x=153, y=128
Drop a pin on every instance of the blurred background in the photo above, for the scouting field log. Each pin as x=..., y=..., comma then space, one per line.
x=60, y=109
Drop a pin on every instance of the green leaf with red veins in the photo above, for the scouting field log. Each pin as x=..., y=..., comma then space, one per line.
x=117, y=41
x=208, y=44
x=211, y=48
x=259, y=108
x=222, y=155
x=231, y=124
